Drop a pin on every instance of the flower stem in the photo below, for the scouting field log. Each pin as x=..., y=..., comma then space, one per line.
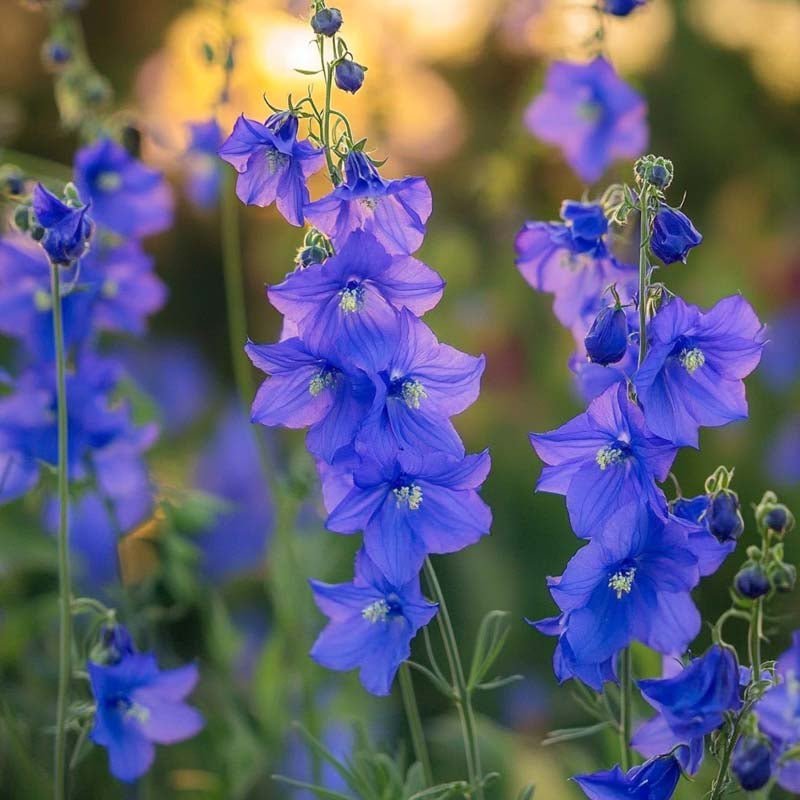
x=754, y=638
x=64, y=580
x=644, y=274
x=325, y=132
x=415, y=723
x=625, y=705
x=463, y=697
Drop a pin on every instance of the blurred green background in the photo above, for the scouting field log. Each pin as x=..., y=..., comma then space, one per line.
x=447, y=85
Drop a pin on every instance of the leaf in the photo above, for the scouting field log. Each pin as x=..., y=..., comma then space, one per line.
x=498, y=683
x=527, y=792
x=319, y=791
x=308, y=71
x=570, y=734
x=492, y=635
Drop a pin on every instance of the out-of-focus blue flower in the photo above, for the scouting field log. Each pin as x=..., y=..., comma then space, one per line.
x=127, y=197
x=783, y=453
x=139, y=706
x=372, y=623
x=673, y=235
x=621, y=8
x=781, y=362
x=653, y=780
x=393, y=211
x=350, y=305
x=203, y=168
x=632, y=581
x=603, y=459
x=230, y=468
x=309, y=389
x=116, y=643
x=421, y=385
x=67, y=228
x=592, y=115
x=349, y=75
x=299, y=762
x=693, y=373
x=272, y=164
x=410, y=504
x=607, y=339
x=587, y=225
x=752, y=763
x=690, y=705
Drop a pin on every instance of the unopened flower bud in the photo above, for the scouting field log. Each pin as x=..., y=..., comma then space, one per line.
x=723, y=517
x=752, y=582
x=752, y=763
x=327, y=21
x=349, y=76
x=783, y=577
x=779, y=519
x=607, y=339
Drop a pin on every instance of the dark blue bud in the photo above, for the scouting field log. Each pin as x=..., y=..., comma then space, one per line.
x=777, y=519
x=57, y=54
x=621, y=8
x=327, y=21
x=783, y=577
x=115, y=643
x=752, y=582
x=607, y=340
x=673, y=235
x=752, y=763
x=349, y=76
x=723, y=517
x=587, y=224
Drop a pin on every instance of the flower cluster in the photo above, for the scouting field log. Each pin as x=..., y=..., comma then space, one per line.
x=93, y=235
x=655, y=369
x=363, y=373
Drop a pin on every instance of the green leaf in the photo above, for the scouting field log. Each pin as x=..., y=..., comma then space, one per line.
x=492, y=635
x=319, y=791
x=498, y=683
x=308, y=71
x=527, y=792
x=570, y=734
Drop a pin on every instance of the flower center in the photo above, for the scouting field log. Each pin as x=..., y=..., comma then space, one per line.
x=42, y=300
x=410, y=495
x=110, y=289
x=692, y=360
x=324, y=379
x=622, y=582
x=413, y=392
x=129, y=709
x=275, y=159
x=109, y=181
x=351, y=298
x=370, y=203
x=376, y=612
x=608, y=455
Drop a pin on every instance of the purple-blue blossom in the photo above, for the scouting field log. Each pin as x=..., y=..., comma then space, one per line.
x=621, y=8
x=591, y=114
x=372, y=621
x=654, y=780
x=393, y=211
x=203, y=169
x=67, y=227
x=603, y=459
x=273, y=165
x=673, y=235
x=694, y=370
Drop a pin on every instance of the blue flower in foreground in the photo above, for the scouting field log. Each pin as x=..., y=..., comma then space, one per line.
x=673, y=235
x=351, y=303
x=203, y=173
x=422, y=384
x=778, y=713
x=139, y=706
x=566, y=666
x=127, y=197
x=272, y=164
x=632, y=581
x=67, y=228
x=691, y=705
x=654, y=780
x=393, y=211
x=372, y=623
x=602, y=460
x=694, y=370
x=591, y=114
x=410, y=504
x=621, y=8
x=310, y=389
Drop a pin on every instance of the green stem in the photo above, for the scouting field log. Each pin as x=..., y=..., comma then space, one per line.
x=720, y=781
x=64, y=580
x=463, y=697
x=754, y=638
x=625, y=707
x=325, y=133
x=415, y=723
x=644, y=241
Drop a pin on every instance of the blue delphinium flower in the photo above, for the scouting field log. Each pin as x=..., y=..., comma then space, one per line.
x=752, y=763
x=778, y=714
x=272, y=164
x=691, y=705
x=694, y=370
x=781, y=362
x=420, y=386
x=591, y=114
x=710, y=552
x=372, y=623
x=607, y=339
x=139, y=706
x=654, y=780
x=603, y=459
x=313, y=389
x=394, y=211
x=632, y=581
x=203, y=173
x=67, y=227
x=621, y=8
x=673, y=235
x=410, y=504
x=127, y=198
x=352, y=302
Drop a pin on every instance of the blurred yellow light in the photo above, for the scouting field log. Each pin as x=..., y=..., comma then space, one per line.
x=282, y=45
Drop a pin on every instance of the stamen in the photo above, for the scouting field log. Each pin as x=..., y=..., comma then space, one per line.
x=324, y=379
x=692, y=360
x=376, y=612
x=410, y=495
x=413, y=393
x=622, y=582
x=352, y=298
x=275, y=160
x=369, y=202
x=609, y=455
x=109, y=181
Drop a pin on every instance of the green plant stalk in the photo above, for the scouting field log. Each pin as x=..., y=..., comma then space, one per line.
x=415, y=723
x=64, y=578
x=754, y=637
x=644, y=241
x=625, y=708
x=463, y=696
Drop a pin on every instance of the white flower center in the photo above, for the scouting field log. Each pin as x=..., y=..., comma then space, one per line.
x=351, y=299
x=370, y=203
x=622, y=582
x=109, y=181
x=609, y=455
x=376, y=612
x=410, y=495
x=110, y=289
x=324, y=379
x=692, y=360
x=413, y=393
x=42, y=300
x=275, y=159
